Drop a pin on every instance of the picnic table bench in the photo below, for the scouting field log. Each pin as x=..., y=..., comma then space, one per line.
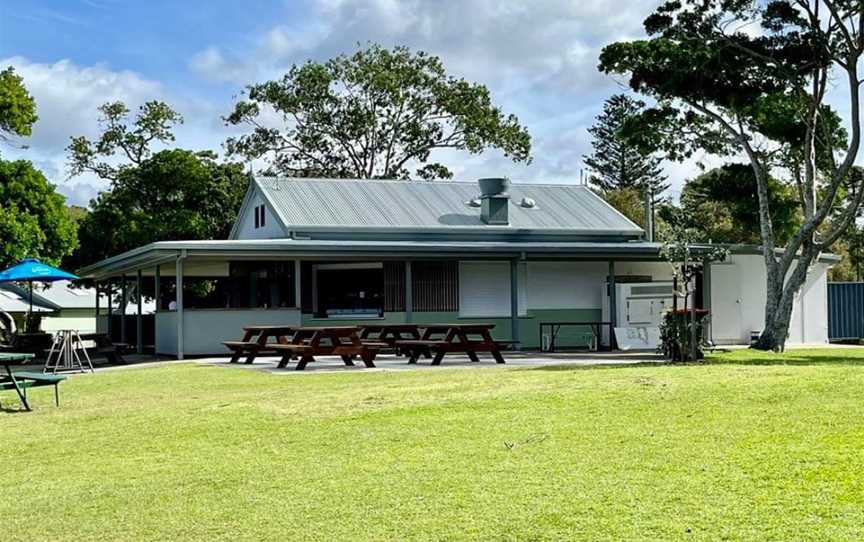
x=255, y=341
x=21, y=380
x=442, y=339
x=343, y=341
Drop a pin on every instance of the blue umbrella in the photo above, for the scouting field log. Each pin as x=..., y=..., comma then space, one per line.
x=32, y=269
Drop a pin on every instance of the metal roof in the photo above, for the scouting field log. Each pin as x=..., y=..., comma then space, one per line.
x=441, y=205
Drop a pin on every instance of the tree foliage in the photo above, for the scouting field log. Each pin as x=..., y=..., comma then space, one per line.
x=722, y=204
x=17, y=106
x=374, y=114
x=153, y=122
x=33, y=218
x=616, y=162
x=734, y=77
x=172, y=195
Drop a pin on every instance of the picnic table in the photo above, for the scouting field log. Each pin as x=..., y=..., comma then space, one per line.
x=20, y=381
x=442, y=339
x=256, y=341
x=389, y=333
x=343, y=341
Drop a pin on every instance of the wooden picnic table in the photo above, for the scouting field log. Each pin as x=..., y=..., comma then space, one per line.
x=389, y=333
x=20, y=381
x=256, y=341
x=442, y=339
x=343, y=341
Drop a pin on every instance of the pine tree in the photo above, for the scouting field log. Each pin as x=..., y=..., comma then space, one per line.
x=615, y=163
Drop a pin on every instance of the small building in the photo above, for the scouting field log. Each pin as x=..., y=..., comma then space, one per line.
x=308, y=251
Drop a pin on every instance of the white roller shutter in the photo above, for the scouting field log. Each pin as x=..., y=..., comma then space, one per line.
x=484, y=289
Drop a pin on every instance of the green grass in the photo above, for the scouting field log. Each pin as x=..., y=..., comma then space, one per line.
x=746, y=447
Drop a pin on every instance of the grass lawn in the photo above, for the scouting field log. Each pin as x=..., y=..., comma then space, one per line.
x=746, y=447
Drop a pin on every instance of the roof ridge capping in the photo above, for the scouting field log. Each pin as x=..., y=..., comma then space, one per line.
x=272, y=181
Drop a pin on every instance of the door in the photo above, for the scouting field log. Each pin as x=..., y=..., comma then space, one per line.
x=726, y=304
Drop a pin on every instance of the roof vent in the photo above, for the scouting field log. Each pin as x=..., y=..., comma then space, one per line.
x=494, y=201
x=494, y=186
x=528, y=203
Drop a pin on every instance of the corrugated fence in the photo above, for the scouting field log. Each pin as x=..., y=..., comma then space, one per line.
x=845, y=310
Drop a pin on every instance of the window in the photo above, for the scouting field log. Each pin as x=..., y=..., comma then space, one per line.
x=349, y=290
x=262, y=284
x=260, y=221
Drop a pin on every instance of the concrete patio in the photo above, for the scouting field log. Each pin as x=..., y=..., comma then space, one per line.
x=391, y=362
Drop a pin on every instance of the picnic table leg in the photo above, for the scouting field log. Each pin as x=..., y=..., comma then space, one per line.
x=21, y=395
x=284, y=361
x=496, y=353
x=472, y=355
x=439, y=356
x=368, y=358
x=304, y=360
x=348, y=360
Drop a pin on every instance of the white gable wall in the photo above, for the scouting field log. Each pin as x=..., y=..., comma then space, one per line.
x=246, y=222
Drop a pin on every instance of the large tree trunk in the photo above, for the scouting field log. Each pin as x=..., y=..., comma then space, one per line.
x=782, y=301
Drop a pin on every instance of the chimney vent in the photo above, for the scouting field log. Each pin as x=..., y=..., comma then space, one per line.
x=494, y=201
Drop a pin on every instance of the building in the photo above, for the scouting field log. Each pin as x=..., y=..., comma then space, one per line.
x=306, y=251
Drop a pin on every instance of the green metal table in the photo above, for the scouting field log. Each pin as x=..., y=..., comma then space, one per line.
x=9, y=360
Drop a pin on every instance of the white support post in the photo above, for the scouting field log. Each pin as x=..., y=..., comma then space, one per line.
x=179, y=301
x=514, y=303
x=123, y=308
x=157, y=285
x=139, y=322
x=96, y=287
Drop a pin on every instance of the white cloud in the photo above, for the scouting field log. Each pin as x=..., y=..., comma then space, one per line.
x=539, y=59
x=67, y=99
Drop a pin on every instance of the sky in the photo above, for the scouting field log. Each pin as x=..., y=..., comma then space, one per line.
x=538, y=58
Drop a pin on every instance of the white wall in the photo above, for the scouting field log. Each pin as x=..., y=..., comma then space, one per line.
x=247, y=230
x=204, y=330
x=738, y=302
x=566, y=285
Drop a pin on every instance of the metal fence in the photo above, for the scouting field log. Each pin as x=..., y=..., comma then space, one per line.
x=845, y=310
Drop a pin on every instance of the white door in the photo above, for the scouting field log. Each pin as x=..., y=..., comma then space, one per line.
x=726, y=304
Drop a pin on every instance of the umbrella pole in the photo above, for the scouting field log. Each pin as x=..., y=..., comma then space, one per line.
x=30, y=314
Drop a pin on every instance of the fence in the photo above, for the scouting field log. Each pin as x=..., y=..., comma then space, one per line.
x=845, y=310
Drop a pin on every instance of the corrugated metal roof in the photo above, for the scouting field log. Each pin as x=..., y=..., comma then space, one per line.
x=439, y=205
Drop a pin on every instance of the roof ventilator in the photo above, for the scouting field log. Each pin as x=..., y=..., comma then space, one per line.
x=494, y=201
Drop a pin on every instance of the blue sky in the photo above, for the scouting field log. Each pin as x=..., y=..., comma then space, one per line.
x=538, y=58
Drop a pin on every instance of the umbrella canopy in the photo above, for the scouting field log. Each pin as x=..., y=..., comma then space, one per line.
x=30, y=270
x=33, y=270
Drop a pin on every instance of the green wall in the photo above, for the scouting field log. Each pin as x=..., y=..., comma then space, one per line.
x=529, y=332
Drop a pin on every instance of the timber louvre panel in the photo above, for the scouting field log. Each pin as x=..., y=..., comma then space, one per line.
x=435, y=286
x=394, y=287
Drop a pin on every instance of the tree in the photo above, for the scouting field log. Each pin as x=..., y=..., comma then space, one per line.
x=374, y=114
x=33, y=218
x=851, y=249
x=760, y=93
x=173, y=195
x=616, y=162
x=17, y=107
x=723, y=206
x=153, y=122
x=630, y=202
